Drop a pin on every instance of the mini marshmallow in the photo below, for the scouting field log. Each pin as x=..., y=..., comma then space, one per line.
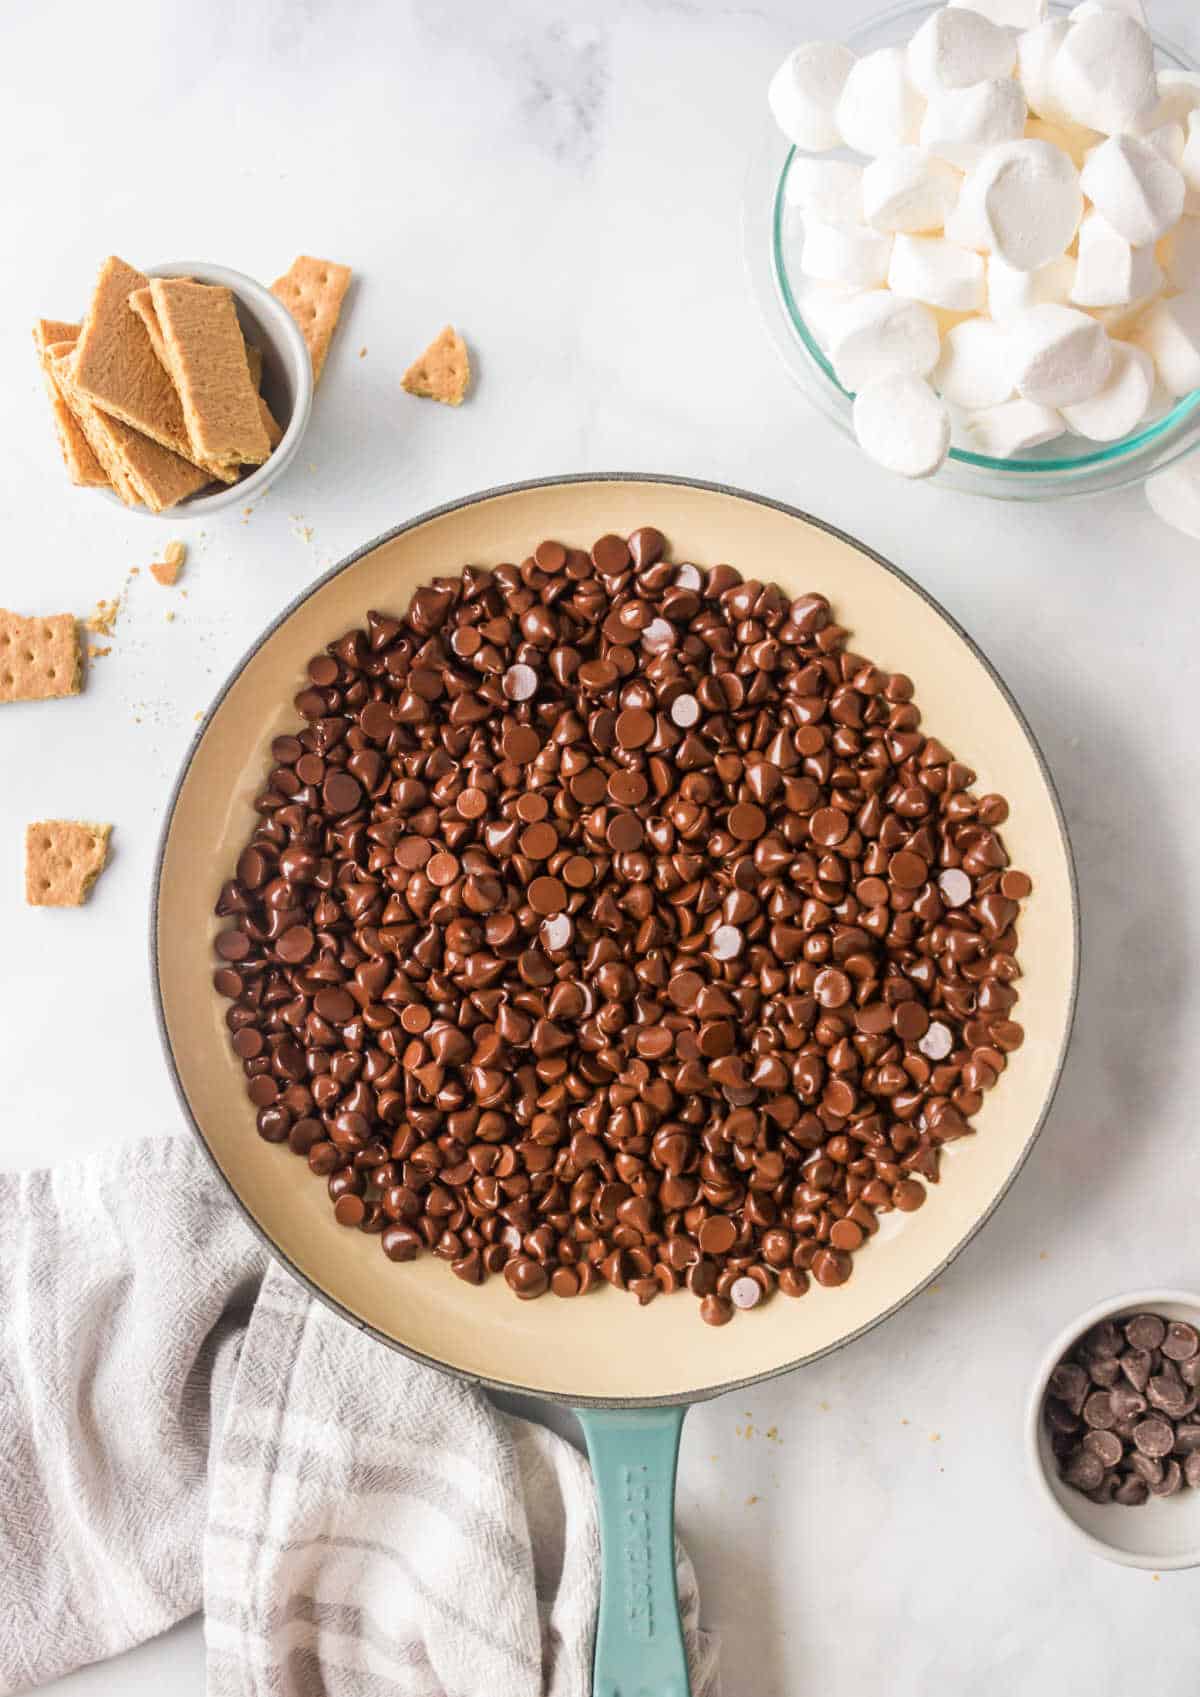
x=819, y=304
x=845, y=253
x=1174, y=495
x=1161, y=401
x=1116, y=409
x=931, y=269
x=1178, y=97
x=879, y=108
x=1170, y=334
x=829, y=190
x=878, y=335
x=962, y=123
x=1011, y=428
x=1103, y=74
x=1170, y=139
x=964, y=222
x=1009, y=14
x=1180, y=250
x=1027, y=199
x=901, y=424
x=1060, y=356
x=1036, y=52
x=954, y=48
x=1093, y=8
x=1122, y=321
x=1189, y=165
x=909, y=190
x=1072, y=139
x=804, y=92
x=1108, y=271
x=1011, y=291
x=1134, y=187
x=975, y=369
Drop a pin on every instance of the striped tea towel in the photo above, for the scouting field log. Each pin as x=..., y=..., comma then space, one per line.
x=182, y=1427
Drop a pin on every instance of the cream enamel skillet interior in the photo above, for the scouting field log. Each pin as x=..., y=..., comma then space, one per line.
x=604, y=1351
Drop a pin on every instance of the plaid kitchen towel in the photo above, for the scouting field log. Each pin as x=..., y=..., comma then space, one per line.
x=182, y=1427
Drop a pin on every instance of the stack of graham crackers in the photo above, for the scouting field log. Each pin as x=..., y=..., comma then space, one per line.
x=156, y=394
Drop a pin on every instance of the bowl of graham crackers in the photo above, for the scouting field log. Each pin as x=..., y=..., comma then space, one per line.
x=188, y=384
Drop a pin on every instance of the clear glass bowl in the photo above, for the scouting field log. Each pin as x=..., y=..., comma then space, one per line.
x=1071, y=465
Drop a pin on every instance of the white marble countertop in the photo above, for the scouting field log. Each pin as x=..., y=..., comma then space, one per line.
x=564, y=182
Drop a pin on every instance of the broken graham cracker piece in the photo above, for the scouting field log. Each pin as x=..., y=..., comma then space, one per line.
x=166, y=571
x=443, y=371
x=313, y=290
x=63, y=859
x=83, y=468
x=141, y=470
x=115, y=368
x=206, y=356
x=40, y=659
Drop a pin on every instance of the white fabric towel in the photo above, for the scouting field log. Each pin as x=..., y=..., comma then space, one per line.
x=183, y=1427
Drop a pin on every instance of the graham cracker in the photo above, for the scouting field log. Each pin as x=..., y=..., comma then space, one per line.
x=313, y=290
x=140, y=469
x=97, y=429
x=443, y=371
x=82, y=465
x=142, y=303
x=39, y=658
x=270, y=424
x=115, y=368
x=63, y=859
x=206, y=356
x=274, y=430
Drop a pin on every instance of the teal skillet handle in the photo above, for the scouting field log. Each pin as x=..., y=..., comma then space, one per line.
x=639, y=1638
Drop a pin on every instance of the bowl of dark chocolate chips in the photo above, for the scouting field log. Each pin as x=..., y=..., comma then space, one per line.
x=1113, y=1428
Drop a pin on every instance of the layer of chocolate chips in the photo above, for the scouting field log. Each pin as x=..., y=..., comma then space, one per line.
x=609, y=919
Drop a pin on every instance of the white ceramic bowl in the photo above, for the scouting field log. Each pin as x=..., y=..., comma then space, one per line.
x=1163, y=1532
x=287, y=381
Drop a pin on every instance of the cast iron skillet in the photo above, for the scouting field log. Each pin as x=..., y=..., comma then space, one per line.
x=631, y=1372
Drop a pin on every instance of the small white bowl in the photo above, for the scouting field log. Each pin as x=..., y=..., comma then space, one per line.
x=287, y=381
x=1162, y=1533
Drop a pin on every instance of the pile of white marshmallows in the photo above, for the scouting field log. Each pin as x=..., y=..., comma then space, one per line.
x=1020, y=254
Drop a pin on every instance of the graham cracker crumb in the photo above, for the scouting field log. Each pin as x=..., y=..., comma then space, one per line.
x=105, y=617
x=95, y=653
x=170, y=618
x=362, y=353
x=166, y=570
